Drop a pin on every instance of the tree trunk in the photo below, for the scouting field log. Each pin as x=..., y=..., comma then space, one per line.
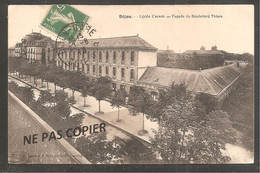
x=143, y=123
x=30, y=79
x=99, y=110
x=84, y=101
x=73, y=94
x=118, y=114
x=35, y=81
x=176, y=143
x=182, y=144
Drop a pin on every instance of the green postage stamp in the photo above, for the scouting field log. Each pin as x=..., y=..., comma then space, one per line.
x=65, y=21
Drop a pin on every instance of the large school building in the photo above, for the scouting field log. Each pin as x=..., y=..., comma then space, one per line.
x=128, y=61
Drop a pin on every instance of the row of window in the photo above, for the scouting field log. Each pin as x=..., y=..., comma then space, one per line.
x=17, y=50
x=100, y=59
x=122, y=87
x=31, y=50
x=114, y=71
x=31, y=56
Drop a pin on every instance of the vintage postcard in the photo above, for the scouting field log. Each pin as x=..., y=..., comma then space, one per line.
x=131, y=84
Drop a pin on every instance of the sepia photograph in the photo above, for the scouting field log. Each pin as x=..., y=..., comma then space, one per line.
x=131, y=84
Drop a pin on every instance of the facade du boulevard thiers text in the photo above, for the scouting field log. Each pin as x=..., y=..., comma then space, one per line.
x=129, y=61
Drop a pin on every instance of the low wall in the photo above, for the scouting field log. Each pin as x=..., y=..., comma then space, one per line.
x=62, y=142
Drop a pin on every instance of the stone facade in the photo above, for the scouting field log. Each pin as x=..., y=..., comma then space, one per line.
x=39, y=48
x=123, y=64
x=18, y=50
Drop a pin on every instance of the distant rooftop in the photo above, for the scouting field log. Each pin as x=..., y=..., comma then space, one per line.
x=165, y=51
x=211, y=81
x=38, y=39
x=36, y=34
x=203, y=52
x=18, y=44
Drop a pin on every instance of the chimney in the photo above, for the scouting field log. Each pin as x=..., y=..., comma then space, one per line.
x=202, y=48
x=214, y=48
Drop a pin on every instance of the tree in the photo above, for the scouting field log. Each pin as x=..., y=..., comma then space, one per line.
x=138, y=153
x=42, y=72
x=63, y=80
x=240, y=105
x=25, y=69
x=182, y=139
x=86, y=89
x=141, y=102
x=56, y=110
x=209, y=102
x=118, y=100
x=25, y=94
x=13, y=86
x=211, y=137
x=170, y=137
x=172, y=94
x=167, y=97
x=75, y=81
x=22, y=67
x=12, y=64
x=36, y=71
x=47, y=76
x=101, y=90
x=54, y=74
x=98, y=149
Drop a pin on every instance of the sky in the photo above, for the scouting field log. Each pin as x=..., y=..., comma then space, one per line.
x=233, y=32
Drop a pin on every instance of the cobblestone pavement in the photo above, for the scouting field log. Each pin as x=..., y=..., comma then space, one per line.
x=20, y=124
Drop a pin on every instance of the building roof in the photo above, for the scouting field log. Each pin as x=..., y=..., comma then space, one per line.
x=18, y=45
x=41, y=42
x=38, y=34
x=165, y=51
x=204, y=52
x=115, y=42
x=211, y=81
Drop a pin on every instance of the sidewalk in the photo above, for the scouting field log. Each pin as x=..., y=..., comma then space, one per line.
x=128, y=123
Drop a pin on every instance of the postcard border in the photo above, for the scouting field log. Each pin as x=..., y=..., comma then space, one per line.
x=118, y=168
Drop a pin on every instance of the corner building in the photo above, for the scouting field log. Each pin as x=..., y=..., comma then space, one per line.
x=123, y=59
x=39, y=48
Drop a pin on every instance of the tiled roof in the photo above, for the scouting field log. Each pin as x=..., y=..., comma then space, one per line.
x=116, y=42
x=211, y=81
x=204, y=52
